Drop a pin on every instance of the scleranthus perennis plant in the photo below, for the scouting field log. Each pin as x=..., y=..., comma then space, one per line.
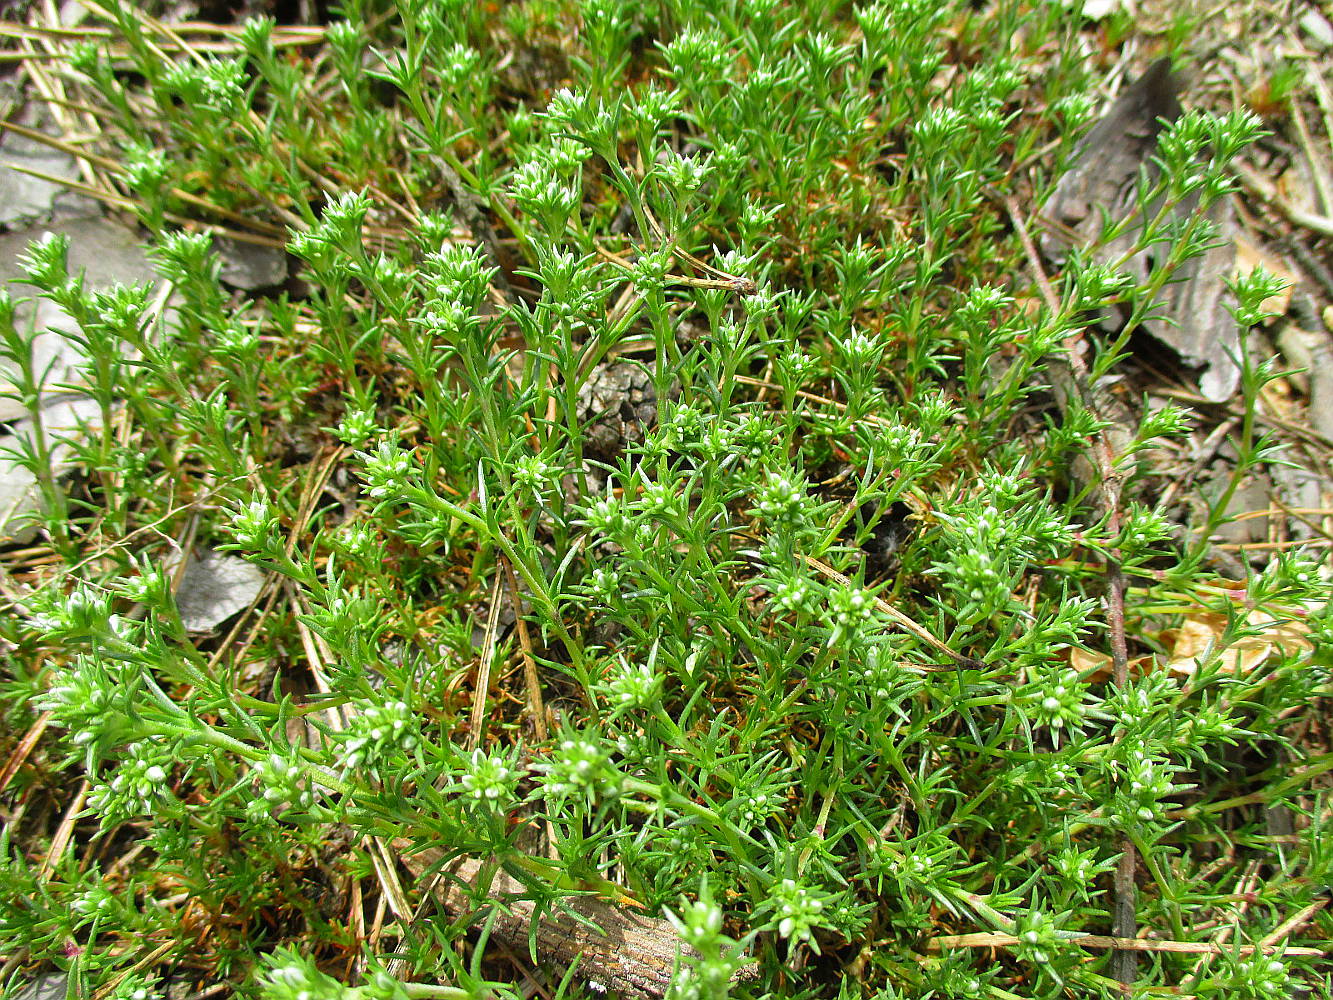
x=668, y=493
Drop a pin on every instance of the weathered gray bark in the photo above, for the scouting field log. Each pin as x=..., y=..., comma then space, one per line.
x=634, y=955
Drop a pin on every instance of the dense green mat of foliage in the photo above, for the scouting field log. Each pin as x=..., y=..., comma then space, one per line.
x=671, y=487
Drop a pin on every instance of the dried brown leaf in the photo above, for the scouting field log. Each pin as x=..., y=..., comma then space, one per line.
x=1199, y=636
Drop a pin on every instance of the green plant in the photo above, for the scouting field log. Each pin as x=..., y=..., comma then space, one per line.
x=803, y=646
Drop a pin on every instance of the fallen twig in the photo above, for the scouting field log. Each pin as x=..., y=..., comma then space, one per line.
x=1123, y=919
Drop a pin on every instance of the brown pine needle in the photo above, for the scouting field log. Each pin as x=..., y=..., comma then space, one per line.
x=898, y=618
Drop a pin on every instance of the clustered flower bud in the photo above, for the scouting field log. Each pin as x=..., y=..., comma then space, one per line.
x=377, y=735
x=489, y=777
x=138, y=787
x=580, y=767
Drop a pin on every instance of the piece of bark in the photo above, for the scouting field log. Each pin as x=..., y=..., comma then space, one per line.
x=1321, y=378
x=1103, y=179
x=634, y=955
x=1107, y=161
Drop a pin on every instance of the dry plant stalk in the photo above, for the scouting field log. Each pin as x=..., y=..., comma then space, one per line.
x=992, y=939
x=634, y=955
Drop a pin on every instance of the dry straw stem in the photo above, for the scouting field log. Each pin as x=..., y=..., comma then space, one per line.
x=284, y=36
x=116, y=200
x=531, y=681
x=483, y=682
x=996, y=939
